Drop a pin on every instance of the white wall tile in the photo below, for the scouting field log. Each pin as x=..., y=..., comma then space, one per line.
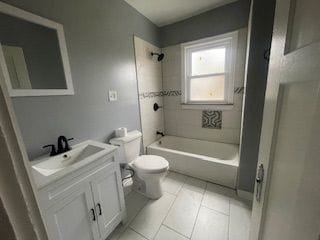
x=172, y=102
x=172, y=53
x=171, y=69
x=188, y=122
x=189, y=117
x=231, y=119
x=241, y=58
x=172, y=82
x=149, y=74
x=215, y=135
x=237, y=102
x=170, y=127
x=170, y=114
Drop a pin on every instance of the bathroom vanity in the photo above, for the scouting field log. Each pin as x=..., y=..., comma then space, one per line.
x=80, y=192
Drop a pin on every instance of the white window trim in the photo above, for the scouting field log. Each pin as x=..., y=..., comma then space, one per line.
x=230, y=39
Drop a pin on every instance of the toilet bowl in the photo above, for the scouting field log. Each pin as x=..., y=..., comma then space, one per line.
x=151, y=169
x=148, y=169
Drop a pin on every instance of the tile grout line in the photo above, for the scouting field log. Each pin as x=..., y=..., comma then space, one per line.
x=176, y=231
x=194, y=225
x=138, y=233
x=175, y=198
x=216, y=211
x=229, y=219
x=184, y=183
x=129, y=223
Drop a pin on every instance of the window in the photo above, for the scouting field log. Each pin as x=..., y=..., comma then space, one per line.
x=208, y=70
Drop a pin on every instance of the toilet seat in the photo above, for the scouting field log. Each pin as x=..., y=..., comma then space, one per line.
x=150, y=164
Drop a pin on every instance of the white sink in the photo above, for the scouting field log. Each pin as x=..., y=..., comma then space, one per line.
x=52, y=165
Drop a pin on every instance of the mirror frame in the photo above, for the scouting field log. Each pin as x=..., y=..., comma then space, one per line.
x=19, y=13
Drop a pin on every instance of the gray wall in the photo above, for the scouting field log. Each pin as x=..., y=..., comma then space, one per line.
x=217, y=21
x=99, y=36
x=257, y=72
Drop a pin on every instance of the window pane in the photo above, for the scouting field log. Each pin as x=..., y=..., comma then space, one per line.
x=207, y=89
x=208, y=61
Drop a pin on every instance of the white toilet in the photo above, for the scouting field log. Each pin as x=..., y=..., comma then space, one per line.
x=149, y=169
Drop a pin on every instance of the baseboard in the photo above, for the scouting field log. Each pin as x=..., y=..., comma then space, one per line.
x=245, y=195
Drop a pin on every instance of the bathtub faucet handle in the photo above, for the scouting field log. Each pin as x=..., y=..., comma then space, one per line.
x=156, y=107
x=160, y=133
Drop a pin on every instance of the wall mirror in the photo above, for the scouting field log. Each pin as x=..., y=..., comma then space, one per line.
x=33, y=54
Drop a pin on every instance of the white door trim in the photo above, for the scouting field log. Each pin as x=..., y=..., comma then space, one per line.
x=279, y=75
x=11, y=140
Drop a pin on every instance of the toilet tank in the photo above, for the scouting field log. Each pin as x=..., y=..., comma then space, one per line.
x=129, y=146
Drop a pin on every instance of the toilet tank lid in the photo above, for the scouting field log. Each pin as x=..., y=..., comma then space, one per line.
x=130, y=137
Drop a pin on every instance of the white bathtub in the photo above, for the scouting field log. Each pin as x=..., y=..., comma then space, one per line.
x=210, y=161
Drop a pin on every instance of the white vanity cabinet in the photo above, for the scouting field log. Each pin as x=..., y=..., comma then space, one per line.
x=87, y=204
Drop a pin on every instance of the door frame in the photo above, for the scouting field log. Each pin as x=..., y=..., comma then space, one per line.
x=20, y=200
x=271, y=113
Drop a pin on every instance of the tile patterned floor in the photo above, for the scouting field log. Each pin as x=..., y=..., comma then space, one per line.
x=189, y=209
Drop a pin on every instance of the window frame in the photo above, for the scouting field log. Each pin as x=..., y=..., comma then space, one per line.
x=228, y=40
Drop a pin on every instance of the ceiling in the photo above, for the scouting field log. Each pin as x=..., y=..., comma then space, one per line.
x=164, y=12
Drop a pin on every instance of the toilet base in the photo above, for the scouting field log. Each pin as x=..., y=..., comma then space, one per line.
x=150, y=186
x=153, y=189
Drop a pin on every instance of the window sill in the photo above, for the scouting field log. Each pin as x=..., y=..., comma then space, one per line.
x=207, y=106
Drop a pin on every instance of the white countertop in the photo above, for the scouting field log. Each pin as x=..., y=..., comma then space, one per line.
x=42, y=180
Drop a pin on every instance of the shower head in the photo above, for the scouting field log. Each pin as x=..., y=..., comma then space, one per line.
x=160, y=56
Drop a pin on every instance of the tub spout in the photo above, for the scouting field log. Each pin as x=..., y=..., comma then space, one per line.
x=160, y=133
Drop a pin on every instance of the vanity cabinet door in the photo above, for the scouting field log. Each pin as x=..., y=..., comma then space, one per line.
x=74, y=217
x=109, y=199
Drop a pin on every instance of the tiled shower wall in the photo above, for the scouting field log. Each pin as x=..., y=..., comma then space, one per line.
x=191, y=123
x=149, y=75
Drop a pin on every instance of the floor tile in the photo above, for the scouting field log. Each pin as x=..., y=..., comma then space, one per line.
x=115, y=235
x=183, y=213
x=168, y=234
x=210, y=225
x=134, y=203
x=173, y=182
x=195, y=184
x=149, y=219
x=129, y=234
x=217, y=198
x=240, y=218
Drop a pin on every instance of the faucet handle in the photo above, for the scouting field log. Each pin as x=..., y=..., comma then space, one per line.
x=53, y=149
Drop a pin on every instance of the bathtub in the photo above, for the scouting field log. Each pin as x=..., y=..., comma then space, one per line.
x=209, y=161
